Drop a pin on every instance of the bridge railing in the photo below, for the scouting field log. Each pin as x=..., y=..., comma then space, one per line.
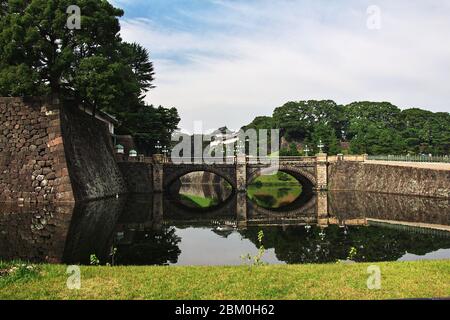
x=280, y=159
x=127, y=158
x=202, y=160
x=302, y=159
x=348, y=157
x=233, y=160
x=411, y=158
x=268, y=160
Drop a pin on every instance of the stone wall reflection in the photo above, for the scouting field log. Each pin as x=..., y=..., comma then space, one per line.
x=351, y=205
x=35, y=233
x=92, y=230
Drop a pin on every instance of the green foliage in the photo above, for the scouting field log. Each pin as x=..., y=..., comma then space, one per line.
x=35, y=40
x=375, y=128
x=102, y=83
x=13, y=272
x=291, y=152
x=39, y=55
x=257, y=259
x=260, y=123
x=426, y=132
x=138, y=58
x=20, y=79
x=352, y=253
x=401, y=280
x=282, y=176
x=149, y=125
x=94, y=261
x=326, y=134
x=369, y=127
x=298, y=119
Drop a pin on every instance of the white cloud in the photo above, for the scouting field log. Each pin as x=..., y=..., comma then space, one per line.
x=256, y=56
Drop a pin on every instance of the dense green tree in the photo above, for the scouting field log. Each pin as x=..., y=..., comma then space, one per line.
x=291, y=152
x=138, y=58
x=374, y=128
x=298, y=119
x=368, y=127
x=102, y=84
x=40, y=55
x=35, y=39
x=326, y=134
x=426, y=132
x=149, y=125
x=262, y=122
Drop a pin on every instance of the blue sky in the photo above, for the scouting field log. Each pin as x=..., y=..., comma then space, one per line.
x=224, y=62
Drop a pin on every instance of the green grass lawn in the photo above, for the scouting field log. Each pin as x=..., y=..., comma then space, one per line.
x=424, y=279
x=274, y=191
x=197, y=201
x=278, y=179
x=269, y=196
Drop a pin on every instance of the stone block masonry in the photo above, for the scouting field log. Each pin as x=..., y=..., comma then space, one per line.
x=54, y=153
x=33, y=166
x=34, y=232
x=138, y=176
x=93, y=169
x=393, y=179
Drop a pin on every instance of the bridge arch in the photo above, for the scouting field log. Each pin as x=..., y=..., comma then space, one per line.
x=171, y=175
x=303, y=206
x=175, y=209
x=306, y=178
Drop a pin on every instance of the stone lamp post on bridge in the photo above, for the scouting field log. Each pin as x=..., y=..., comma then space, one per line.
x=158, y=147
x=306, y=150
x=322, y=168
x=320, y=146
x=165, y=152
x=119, y=152
x=158, y=157
x=158, y=160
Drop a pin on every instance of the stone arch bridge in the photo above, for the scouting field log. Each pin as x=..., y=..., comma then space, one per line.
x=311, y=172
x=316, y=173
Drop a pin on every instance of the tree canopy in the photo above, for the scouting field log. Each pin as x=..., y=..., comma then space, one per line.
x=40, y=55
x=367, y=127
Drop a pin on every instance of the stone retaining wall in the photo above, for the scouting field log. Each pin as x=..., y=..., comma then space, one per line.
x=370, y=177
x=54, y=153
x=138, y=176
x=93, y=169
x=32, y=160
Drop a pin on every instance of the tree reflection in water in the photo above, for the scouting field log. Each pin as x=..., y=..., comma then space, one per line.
x=274, y=191
x=149, y=247
x=295, y=244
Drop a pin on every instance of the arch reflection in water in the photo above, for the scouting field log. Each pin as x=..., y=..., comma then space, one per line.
x=200, y=190
x=154, y=229
x=276, y=190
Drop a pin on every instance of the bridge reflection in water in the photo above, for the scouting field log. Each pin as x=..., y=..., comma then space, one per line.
x=159, y=229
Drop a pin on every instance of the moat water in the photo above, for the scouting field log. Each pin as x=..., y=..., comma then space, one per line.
x=210, y=225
